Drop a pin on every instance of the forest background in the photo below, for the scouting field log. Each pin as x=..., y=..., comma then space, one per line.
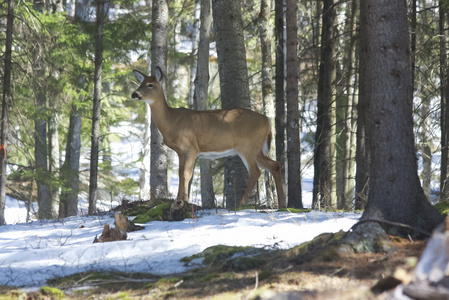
x=54, y=87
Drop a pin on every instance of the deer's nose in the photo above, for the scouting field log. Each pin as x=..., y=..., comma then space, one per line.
x=135, y=96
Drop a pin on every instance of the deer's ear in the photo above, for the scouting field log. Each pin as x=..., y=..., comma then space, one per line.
x=139, y=76
x=158, y=73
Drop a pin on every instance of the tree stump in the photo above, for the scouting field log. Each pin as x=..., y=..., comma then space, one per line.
x=122, y=226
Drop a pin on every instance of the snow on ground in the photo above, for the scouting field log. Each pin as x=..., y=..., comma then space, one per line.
x=32, y=253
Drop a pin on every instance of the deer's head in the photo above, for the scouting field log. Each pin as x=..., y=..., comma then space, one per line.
x=150, y=89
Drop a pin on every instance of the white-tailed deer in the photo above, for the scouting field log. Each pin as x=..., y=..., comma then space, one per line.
x=210, y=134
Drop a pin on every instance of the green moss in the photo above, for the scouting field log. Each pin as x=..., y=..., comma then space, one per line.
x=159, y=210
x=319, y=242
x=122, y=295
x=264, y=275
x=216, y=253
x=300, y=249
x=330, y=254
x=221, y=252
x=442, y=207
x=244, y=263
x=230, y=275
x=138, y=210
x=167, y=281
x=52, y=292
x=157, y=213
x=209, y=277
x=295, y=210
x=164, y=283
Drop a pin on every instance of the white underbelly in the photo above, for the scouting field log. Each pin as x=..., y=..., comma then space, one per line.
x=215, y=155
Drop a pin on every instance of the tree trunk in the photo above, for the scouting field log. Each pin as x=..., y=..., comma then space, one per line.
x=267, y=81
x=70, y=169
x=346, y=200
x=362, y=155
x=5, y=108
x=395, y=193
x=293, y=141
x=444, y=90
x=158, y=165
x=40, y=129
x=426, y=153
x=280, y=79
x=144, y=179
x=68, y=205
x=324, y=183
x=95, y=146
x=54, y=159
x=194, y=64
x=201, y=96
x=234, y=86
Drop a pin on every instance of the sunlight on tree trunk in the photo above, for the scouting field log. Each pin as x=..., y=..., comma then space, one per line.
x=280, y=80
x=395, y=193
x=227, y=18
x=201, y=97
x=95, y=139
x=267, y=83
x=325, y=194
x=293, y=140
x=158, y=166
x=5, y=108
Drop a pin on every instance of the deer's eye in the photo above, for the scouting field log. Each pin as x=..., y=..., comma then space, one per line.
x=150, y=85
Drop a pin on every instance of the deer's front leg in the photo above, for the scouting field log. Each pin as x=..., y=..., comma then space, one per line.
x=186, y=164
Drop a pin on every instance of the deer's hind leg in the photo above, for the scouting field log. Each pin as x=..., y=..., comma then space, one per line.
x=254, y=174
x=275, y=169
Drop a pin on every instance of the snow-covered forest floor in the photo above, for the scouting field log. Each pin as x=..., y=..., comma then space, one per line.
x=148, y=264
x=31, y=253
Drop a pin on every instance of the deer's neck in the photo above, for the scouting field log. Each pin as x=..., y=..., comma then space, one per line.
x=160, y=112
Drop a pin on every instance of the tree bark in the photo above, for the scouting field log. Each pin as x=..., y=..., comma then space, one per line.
x=201, y=96
x=324, y=183
x=144, y=179
x=293, y=141
x=45, y=210
x=53, y=158
x=444, y=90
x=395, y=193
x=424, y=142
x=158, y=165
x=267, y=82
x=68, y=204
x=234, y=86
x=70, y=169
x=279, y=84
x=5, y=108
x=362, y=155
x=346, y=199
x=194, y=64
x=95, y=139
